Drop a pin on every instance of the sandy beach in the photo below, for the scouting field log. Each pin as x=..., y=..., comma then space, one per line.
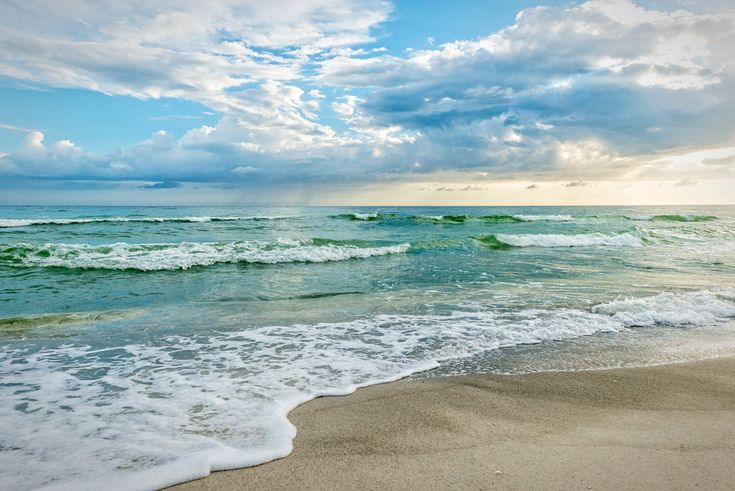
x=662, y=427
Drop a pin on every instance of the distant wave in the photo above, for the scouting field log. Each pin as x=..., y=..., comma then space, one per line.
x=445, y=218
x=544, y=218
x=518, y=218
x=452, y=219
x=507, y=241
x=184, y=255
x=671, y=218
x=497, y=218
x=364, y=217
x=27, y=222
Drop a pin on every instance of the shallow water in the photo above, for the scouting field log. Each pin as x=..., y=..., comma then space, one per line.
x=146, y=346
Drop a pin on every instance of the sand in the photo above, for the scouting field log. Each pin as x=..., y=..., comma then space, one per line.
x=665, y=427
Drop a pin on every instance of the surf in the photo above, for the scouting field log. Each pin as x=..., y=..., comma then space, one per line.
x=508, y=241
x=185, y=255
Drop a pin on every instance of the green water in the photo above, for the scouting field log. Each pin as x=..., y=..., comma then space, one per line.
x=145, y=346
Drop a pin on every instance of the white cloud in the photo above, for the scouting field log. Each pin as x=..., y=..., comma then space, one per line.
x=11, y=127
x=202, y=52
x=34, y=139
x=602, y=89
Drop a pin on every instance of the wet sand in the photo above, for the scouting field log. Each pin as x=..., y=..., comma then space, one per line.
x=664, y=427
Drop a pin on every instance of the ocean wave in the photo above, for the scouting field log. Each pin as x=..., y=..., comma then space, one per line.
x=672, y=218
x=178, y=408
x=184, y=255
x=496, y=218
x=507, y=241
x=27, y=222
x=453, y=219
x=363, y=217
x=672, y=309
x=444, y=218
x=544, y=218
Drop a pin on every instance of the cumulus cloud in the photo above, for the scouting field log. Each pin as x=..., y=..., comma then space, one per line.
x=582, y=85
x=575, y=93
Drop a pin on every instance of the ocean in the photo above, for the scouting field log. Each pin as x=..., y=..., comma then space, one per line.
x=145, y=346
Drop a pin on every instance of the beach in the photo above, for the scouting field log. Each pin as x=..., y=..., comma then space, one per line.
x=661, y=427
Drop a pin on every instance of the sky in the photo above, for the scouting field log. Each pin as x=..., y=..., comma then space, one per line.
x=367, y=102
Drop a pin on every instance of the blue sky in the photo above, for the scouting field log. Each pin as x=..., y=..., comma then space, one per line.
x=478, y=102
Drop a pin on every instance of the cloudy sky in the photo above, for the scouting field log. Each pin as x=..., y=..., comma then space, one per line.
x=367, y=102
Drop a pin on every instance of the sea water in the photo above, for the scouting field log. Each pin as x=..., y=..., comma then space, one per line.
x=141, y=347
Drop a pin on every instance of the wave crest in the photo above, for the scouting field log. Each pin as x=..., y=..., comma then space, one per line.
x=28, y=222
x=185, y=255
x=673, y=218
x=507, y=241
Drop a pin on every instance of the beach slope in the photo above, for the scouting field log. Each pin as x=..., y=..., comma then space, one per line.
x=663, y=427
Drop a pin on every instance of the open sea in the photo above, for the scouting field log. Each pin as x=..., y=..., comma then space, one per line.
x=145, y=346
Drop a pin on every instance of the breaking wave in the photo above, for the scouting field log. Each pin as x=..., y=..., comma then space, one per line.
x=672, y=218
x=28, y=222
x=453, y=219
x=363, y=217
x=184, y=255
x=507, y=241
x=186, y=405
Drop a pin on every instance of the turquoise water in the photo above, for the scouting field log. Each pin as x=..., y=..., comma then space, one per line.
x=147, y=346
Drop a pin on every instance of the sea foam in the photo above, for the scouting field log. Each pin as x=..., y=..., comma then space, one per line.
x=27, y=222
x=544, y=218
x=499, y=241
x=184, y=255
x=179, y=407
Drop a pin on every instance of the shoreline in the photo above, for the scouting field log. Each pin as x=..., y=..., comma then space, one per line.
x=665, y=426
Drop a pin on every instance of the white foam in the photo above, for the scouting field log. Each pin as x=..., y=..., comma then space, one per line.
x=696, y=308
x=175, y=408
x=544, y=218
x=184, y=255
x=27, y=222
x=574, y=240
x=364, y=216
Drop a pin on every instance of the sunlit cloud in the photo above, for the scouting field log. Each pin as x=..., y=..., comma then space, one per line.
x=575, y=95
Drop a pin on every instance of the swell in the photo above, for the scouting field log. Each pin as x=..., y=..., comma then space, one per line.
x=185, y=255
